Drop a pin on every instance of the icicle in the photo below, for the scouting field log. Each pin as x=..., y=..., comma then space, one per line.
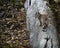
x=26, y=5
x=38, y=37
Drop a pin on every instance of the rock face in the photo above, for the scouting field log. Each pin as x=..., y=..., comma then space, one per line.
x=13, y=32
x=57, y=1
x=40, y=23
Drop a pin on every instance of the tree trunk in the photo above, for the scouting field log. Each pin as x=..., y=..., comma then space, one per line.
x=40, y=23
